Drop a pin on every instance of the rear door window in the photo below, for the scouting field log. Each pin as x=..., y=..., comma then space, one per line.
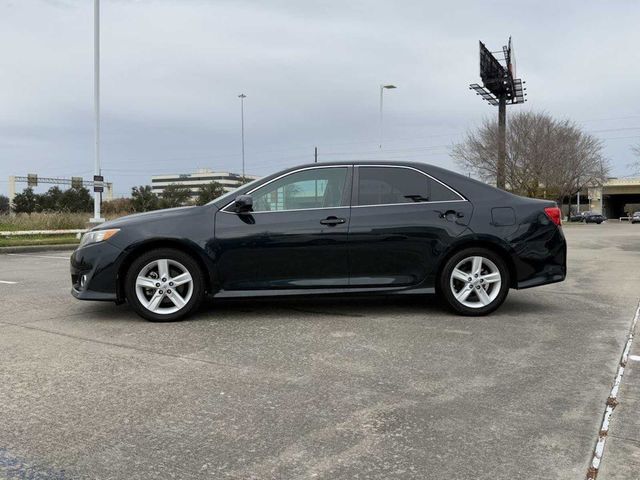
x=395, y=185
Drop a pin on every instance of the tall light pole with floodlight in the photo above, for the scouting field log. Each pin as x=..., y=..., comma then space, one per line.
x=242, y=96
x=96, y=103
x=382, y=89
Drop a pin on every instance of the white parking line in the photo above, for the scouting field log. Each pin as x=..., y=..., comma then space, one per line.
x=37, y=256
x=7, y=282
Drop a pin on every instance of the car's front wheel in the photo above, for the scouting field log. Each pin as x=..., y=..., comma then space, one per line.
x=474, y=281
x=164, y=285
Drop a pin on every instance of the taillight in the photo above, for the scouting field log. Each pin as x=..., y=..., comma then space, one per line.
x=554, y=214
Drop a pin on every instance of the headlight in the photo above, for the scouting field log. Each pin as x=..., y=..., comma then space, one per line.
x=97, y=236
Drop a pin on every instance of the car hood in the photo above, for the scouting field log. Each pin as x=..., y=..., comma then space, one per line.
x=138, y=218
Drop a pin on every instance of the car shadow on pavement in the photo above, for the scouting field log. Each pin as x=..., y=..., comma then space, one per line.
x=351, y=306
x=339, y=306
x=523, y=304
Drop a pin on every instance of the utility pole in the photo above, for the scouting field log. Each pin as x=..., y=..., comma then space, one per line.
x=242, y=96
x=96, y=101
x=315, y=156
x=502, y=142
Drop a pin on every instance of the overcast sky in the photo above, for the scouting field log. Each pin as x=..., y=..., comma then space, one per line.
x=172, y=70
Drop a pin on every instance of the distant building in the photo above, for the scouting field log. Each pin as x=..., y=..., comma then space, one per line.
x=610, y=199
x=230, y=181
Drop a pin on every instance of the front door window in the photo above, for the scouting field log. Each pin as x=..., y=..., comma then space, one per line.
x=312, y=188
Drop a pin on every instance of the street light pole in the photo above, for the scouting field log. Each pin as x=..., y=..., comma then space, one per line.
x=242, y=96
x=96, y=102
x=382, y=89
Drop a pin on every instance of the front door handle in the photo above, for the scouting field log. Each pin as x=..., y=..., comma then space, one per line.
x=332, y=221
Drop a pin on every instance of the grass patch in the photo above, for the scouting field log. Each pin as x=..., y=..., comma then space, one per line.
x=25, y=240
x=43, y=221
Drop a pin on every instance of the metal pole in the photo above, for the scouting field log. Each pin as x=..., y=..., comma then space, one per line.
x=578, y=203
x=242, y=96
x=315, y=155
x=381, y=90
x=502, y=142
x=12, y=191
x=96, y=101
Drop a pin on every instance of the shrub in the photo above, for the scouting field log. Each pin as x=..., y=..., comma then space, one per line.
x=143, y=199
x=118, y=207
x=4, y=204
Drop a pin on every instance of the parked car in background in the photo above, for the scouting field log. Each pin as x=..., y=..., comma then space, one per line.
x=635, y=218
x=594, y=218
x=335, y=228
x=577, y=217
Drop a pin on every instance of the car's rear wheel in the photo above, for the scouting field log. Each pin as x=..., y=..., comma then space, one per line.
x=474, y=281
x=164, y=285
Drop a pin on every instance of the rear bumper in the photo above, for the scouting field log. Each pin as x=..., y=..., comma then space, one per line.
x=94, y=272
x=541, y=260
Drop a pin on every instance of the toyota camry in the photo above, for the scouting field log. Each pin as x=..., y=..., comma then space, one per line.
x=334, y=228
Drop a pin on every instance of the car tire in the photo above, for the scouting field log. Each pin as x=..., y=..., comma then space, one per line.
x=463, y=296
x=164, y=285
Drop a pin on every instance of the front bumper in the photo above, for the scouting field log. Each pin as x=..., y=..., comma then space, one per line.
x=94, y=272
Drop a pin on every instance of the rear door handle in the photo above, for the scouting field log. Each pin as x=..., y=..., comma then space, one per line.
x=332, y=221
x=451, y=212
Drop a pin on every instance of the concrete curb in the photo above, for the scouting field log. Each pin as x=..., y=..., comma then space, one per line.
x=37, y=248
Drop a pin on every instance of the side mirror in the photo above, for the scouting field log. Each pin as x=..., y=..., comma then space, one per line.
x=243, y=204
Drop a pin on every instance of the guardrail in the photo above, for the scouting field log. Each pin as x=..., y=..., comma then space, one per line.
x=622, y=219
x=20, y=233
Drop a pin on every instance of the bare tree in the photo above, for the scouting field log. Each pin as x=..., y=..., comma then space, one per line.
x=636, y=164
x=544, y=157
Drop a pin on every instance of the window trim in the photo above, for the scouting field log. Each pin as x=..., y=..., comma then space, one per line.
x=346, y=195
x=356, y=184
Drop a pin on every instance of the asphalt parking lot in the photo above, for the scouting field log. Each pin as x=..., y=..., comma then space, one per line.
x=331, y=388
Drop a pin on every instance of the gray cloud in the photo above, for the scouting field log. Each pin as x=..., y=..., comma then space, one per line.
x=171, y=73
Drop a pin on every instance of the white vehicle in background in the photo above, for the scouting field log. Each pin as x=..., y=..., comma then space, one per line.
x=635, y=218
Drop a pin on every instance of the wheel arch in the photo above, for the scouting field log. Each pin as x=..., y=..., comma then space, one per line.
x=490, y=244
x=183, y=246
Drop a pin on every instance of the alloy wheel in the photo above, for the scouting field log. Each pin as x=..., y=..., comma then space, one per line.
x=164, y=286
x=475, y=282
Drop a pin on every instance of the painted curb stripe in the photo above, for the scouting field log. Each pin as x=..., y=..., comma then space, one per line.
x=612, y=401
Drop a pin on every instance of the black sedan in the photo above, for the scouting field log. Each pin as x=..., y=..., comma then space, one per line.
x=356, y=227
x=594, y=218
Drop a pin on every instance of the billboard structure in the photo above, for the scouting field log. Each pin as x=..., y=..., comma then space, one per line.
x=33, y=180
x=499, y=88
